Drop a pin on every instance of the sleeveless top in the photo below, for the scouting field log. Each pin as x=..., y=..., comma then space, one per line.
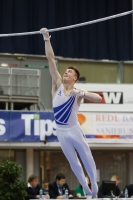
x=65, y=109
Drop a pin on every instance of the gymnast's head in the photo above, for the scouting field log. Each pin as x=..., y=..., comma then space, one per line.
x=71, y=75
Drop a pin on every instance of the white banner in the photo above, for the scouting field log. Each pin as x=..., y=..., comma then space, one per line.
x=115, y=97
x=107, y=128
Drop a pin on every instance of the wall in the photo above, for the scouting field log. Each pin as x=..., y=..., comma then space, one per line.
x=95, y=72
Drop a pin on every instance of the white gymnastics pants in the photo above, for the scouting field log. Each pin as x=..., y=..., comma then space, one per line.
x=71, y=139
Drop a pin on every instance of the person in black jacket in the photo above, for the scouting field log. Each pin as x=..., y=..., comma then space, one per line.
x=116, y=191
x=130, y=190
x=57, y=188
x=33, y=188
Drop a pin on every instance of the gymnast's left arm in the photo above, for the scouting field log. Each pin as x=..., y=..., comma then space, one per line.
x=87, y=95
x=92, y=96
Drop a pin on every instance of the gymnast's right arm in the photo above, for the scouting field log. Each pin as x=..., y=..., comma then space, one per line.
x=56, y=77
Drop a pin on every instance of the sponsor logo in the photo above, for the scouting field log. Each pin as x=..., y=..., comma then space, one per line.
x=39, y=127
x=59, y=93
x=109, y=98
x=33, y=125
x=2, y=127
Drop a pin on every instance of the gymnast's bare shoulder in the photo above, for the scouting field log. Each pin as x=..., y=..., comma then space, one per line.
x=55, y=87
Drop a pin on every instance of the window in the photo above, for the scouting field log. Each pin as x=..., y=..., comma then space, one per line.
x=6, y=155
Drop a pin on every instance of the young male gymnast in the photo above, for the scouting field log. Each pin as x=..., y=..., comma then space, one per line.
x=66, y=102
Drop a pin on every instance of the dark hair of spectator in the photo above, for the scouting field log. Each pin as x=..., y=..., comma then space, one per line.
x=60, y=176
x=45, y=181
x=32, y=178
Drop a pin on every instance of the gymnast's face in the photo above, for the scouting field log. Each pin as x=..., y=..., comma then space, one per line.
x=69, y=76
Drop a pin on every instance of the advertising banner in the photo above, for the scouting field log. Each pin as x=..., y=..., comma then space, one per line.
x=115, y=97
x=107, y=127
x=40, y=126
x=27, y=126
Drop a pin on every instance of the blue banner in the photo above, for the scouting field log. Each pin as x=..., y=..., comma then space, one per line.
x=16, y=126
x=27, y=126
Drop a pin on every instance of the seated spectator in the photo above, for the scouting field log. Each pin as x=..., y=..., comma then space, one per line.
x=57, y=188
x=79, y=190
x=115, y=193
x=130, y=190
x=45, y=185
x=33, y=188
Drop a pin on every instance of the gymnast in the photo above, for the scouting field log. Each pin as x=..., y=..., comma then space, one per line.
x=66, y=102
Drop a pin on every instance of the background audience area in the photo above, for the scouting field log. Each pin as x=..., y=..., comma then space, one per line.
x=57, y=189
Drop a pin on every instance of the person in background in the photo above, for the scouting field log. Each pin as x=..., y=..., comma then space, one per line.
x=45, y=186
x=130, y=190
x=116, y=192
x=57, y=188
x=33, y=188
x=79, y=192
